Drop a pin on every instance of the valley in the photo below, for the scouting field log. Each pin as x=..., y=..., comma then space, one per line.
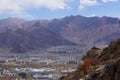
x=41, y=66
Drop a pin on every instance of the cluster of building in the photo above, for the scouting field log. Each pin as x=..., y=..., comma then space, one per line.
x=67, y=49
x=37, y=59
x=25, y=74
x=41, y=59
x=7, y=75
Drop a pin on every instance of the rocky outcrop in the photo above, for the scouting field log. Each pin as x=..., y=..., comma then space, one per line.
x=112, y=52
x=99, y=65
x=93, y=52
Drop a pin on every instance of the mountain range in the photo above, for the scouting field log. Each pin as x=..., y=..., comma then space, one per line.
x=20, y=35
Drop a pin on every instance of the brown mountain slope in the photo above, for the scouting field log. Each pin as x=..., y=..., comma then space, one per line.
x=77, y=29
x=82, y=30
x=11, y=23
x=23, y=41
x=87, y=30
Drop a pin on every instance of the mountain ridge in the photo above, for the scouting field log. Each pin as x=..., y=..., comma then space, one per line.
x=71, y=29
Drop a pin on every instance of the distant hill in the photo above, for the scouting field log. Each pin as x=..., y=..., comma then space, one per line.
x=21, y=41
x=11, y=23
x=87, y=30
x=82, y=30
x=19, y=35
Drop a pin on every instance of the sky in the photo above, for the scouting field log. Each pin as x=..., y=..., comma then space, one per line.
x=50, y=9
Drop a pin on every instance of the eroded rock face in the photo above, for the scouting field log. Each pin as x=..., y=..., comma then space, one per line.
x=109, y=72
x=93, y=52
x=106, y=64
x=112, y=52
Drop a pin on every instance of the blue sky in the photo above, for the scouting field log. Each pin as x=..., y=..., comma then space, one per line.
x=49, y=9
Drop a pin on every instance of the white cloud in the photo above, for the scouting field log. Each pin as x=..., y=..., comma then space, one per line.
x=84, y=3
x=23, y=4
x=20, y=6
x=88, y=2
x=105, y=1
x=93, y=15
x=81, y=7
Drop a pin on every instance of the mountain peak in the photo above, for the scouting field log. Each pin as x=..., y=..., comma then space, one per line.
x=13, y=18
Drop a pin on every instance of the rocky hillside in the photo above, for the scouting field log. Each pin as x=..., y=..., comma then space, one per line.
x=99, y=64
x=87, y=30
x=21, y=41
x=81, y=29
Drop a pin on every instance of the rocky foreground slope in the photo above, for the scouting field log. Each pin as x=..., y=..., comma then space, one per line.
x=99, y=64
